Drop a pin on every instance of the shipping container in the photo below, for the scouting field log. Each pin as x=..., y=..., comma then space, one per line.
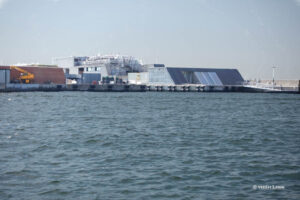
x=4, y=76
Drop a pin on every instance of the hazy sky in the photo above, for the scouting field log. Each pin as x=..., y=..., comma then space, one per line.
x=250, y=35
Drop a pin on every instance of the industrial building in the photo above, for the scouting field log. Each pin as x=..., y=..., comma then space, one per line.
x=107, y=73
x=87, y=70
x=205, y=76
x=34, y=74
x=161, y=75
x=93, y=69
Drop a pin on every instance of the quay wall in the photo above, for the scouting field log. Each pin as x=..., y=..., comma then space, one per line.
x=73, y=87
x=134, y=88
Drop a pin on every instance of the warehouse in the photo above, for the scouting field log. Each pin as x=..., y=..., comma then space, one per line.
x=38, y=74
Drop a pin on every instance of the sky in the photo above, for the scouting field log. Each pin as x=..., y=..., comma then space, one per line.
x=250, y=35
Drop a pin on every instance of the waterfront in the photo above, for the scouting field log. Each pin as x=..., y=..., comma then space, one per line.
x=82, y=145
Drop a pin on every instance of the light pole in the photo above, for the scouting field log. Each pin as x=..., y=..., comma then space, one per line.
x=273, y=75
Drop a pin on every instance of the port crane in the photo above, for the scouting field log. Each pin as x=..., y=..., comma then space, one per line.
x=25, y=76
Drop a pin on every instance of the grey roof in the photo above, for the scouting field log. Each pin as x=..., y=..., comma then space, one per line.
x=227, y=76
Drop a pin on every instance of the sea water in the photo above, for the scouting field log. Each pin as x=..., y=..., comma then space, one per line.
x=151, y=145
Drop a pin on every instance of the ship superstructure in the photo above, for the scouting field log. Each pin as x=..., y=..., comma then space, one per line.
x=112, y=65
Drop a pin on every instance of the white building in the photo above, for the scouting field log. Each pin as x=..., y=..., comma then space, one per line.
x=106, y=65
x=71, y=65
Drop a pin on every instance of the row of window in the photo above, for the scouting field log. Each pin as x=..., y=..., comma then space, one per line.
x=208, y=78
x=92, y=69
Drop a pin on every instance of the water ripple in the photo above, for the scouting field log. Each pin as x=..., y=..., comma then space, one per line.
x=71, y=145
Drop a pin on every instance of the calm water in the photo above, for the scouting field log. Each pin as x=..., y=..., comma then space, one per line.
x=81, y=145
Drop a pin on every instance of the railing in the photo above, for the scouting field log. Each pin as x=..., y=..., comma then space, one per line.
x=270, y=87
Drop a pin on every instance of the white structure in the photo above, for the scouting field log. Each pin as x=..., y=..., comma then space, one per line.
x=113, y=65
x=159, y=75
x=138, y=78
x=106, y=65
x=71, y=65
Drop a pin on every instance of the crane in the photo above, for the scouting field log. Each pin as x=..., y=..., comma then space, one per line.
x=25, y=76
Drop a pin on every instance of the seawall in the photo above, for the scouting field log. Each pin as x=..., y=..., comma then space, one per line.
x=134, y=88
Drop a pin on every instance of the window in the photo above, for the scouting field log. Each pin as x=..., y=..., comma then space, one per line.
x=208, y=78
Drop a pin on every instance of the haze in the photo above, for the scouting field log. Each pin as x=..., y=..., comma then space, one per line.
x=250, y=35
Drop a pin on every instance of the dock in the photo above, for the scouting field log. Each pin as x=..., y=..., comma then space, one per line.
x=134, y=88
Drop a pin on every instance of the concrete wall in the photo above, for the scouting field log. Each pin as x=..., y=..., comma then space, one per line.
x=34, y=87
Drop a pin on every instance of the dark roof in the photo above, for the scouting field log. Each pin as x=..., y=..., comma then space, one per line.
x=227, y=76
x=159, y=65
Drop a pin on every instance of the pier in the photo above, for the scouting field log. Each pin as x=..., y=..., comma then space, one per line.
x=134, y=88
